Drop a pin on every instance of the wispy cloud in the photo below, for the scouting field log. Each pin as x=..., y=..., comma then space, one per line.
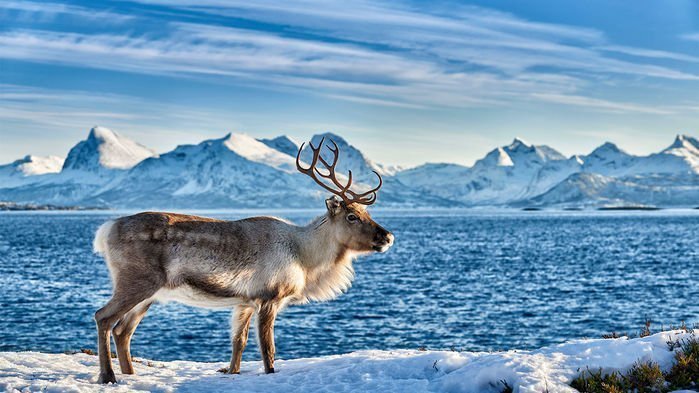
x=72, y=112
x=335, y=69
x=650, y=53
x=59, y=108
x=30, y=9
x=691, y=36
x=377, y=53
x=465, y=37
x=336, y=15
x=605, y=105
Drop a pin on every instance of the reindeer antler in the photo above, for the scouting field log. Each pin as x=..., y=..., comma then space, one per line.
x=343, y=191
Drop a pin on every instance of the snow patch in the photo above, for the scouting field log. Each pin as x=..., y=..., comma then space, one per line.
x=192, y=187
x=254, y=150
x=399, y=371
x=283, y=143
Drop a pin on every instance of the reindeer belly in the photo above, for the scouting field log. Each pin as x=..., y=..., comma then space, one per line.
x=211, y=290
x=191, y=296
x=228, y=288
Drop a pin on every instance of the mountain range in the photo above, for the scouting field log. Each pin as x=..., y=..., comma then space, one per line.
x=239, y=171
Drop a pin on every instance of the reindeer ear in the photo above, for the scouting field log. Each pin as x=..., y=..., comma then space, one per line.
x=333, y=204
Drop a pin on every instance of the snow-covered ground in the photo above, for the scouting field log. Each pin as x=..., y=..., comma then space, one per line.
x=404, y=371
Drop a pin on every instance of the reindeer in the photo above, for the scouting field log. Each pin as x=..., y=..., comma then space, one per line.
x=256, y=265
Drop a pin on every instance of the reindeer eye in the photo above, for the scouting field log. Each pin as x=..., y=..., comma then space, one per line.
x=352, y=217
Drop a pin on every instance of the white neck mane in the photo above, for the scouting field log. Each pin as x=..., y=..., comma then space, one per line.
x=326, y=261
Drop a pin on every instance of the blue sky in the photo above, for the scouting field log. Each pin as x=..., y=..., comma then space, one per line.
x=407, y=82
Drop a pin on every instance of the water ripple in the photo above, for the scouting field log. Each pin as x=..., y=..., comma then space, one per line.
x=473, y=281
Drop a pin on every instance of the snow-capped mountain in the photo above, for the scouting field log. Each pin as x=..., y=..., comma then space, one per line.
x=552, y=173
x=521, y=174
x=509, y=168
x=680, y=158
x=90, y=166
x=104, y=149
x=590, y=189
x=614, y=177
x=513, y=172
x=424, y=175
x=238, y=170
x=608, y=159
x=256, y=151
x=283, y=144
x=26, y=169
x=505, y=174
x=234, y=171
x=352, y=158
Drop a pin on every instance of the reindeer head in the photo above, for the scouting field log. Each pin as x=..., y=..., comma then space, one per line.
x=347, y=212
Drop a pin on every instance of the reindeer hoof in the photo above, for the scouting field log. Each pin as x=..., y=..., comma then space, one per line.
x=228, y=370
x=270, y=371
x=107, y=377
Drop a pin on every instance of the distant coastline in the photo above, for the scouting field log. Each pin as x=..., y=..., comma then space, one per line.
x=12, y=206
x=650, y=208
x=6, y=206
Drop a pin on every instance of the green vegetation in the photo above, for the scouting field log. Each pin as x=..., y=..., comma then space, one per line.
x=596, y=381
x=685, y=371
x=646, y=376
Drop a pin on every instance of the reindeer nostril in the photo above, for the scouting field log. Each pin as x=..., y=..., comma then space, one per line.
x=384, y=237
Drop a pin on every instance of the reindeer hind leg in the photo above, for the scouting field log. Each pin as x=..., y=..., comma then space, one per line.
x=123, y=332
x=127, y=295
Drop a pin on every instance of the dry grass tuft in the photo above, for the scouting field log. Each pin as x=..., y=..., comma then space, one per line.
x=646, y=376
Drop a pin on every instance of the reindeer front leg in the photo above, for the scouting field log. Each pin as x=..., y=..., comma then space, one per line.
x=240, y=326
x=265, y=332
